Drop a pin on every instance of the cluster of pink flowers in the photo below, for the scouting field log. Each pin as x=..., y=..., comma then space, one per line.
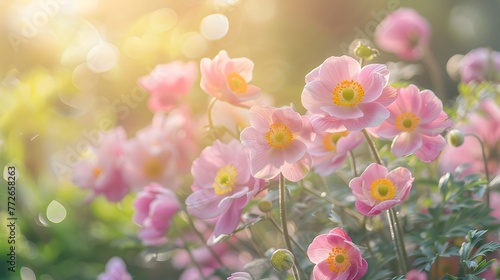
x=345, y=102
x=115, y=270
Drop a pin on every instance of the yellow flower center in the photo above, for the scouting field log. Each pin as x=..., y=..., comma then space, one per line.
x=237, y=83
x=338, y=261
x=348, y=93
x=330, y=140
x=153, y=168
x=279, y=135
x=407, y=122
x=383, y=189
x=96, y=172
x=225, y=179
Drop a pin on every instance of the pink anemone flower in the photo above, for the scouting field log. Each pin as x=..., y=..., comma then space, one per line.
x=104, y=173
x=223, y=185
x=343, y=96
x=155, y=207
x=336, y=257
x=405, y=33
x=480, y=65
x=416, y=275
x=167, y=83
x=329, y=150
x=416, y=121
x=277, y=141
x=115, y=270
x=228, y=78
x=377, y=189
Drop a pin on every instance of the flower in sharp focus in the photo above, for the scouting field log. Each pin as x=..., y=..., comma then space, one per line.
x=341, y=95
x=415, y=123
x=223, y=185
x=405, y=33
x=240, y=276
x=104, y=174
x=377, y=189
x=480, y=65
x=485, y=123
x=416, y=275
x=167, y=83
x=228, y=78
x=155, y=206
x=329, y=150
x=277, y=141
x=115, y=270
x=336, y=257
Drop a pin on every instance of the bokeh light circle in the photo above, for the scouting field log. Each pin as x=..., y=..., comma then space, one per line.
x=102, y=57
x=56, y=212
x=214, y=26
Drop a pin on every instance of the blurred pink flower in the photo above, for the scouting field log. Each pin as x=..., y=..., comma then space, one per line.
x=405, y=33
x=415, y=123
x=416, y=275
x=277, y=141
x=227, y=78
x=167, y=83
x=154, y=208
x=329, y=150
x=377, y=189
x=479, y=65
x=223, y=185
x=115, y=270
x=104, y=173
x=485, y=123
x=343, y=96
x=162, y=152
x=336, y=257
x=240, y=276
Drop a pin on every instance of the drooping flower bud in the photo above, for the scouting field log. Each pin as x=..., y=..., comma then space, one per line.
x=265, y=205
x=455, y=138
x=282, y=260
x=365, y=52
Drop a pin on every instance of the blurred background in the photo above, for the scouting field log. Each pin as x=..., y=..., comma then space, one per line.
x=69, y=69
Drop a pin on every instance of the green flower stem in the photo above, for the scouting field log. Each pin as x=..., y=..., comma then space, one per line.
x=209, y=113
x=435, y=75
x=353, y=164
x=194, y=261
x=396, y=235
x=275, y=224
x=202, y=239
x=286, y=236
x=485, y=161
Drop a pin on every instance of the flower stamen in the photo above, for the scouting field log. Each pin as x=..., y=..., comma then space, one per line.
x=348, y=93
x=330, y=140
x=153, y=168
x=407, y=122
x=338, y=260
x=225, y=179
x=383, y=189
x=237, y=83
x=279, y=136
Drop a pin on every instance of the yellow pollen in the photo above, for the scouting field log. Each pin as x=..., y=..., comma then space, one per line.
x=338, y=261
x=237, y=83
x=330, y=140
x=225, y=179
x=279, y=135
x=153, y=168
x=96, y=172
x=407, y=122
x=348, y=93
x=383, y=189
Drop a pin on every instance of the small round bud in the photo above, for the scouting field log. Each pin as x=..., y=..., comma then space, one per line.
x=455, y=138
x=282, y=260
x=365, y=52
x=265, y=205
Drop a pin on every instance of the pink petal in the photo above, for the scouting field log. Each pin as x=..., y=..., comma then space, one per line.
x=289, y=118
x=319, y=249
x=431, y=107
x=266, y=164
x=298, y=170
x=261, y=117
x=327, y=124
x=337, y=69
x=294, y=152
x=388, y=96
x=342, y=112
x=406, y=143
x=431, y=148
x=340, y=232
x=374, y=115
x=373, y=78
x=313, y=75
x=242, y=66
x=385, y=130
x=204, y=204
x=228, y=221
x=322, y=272
x=316, y=95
